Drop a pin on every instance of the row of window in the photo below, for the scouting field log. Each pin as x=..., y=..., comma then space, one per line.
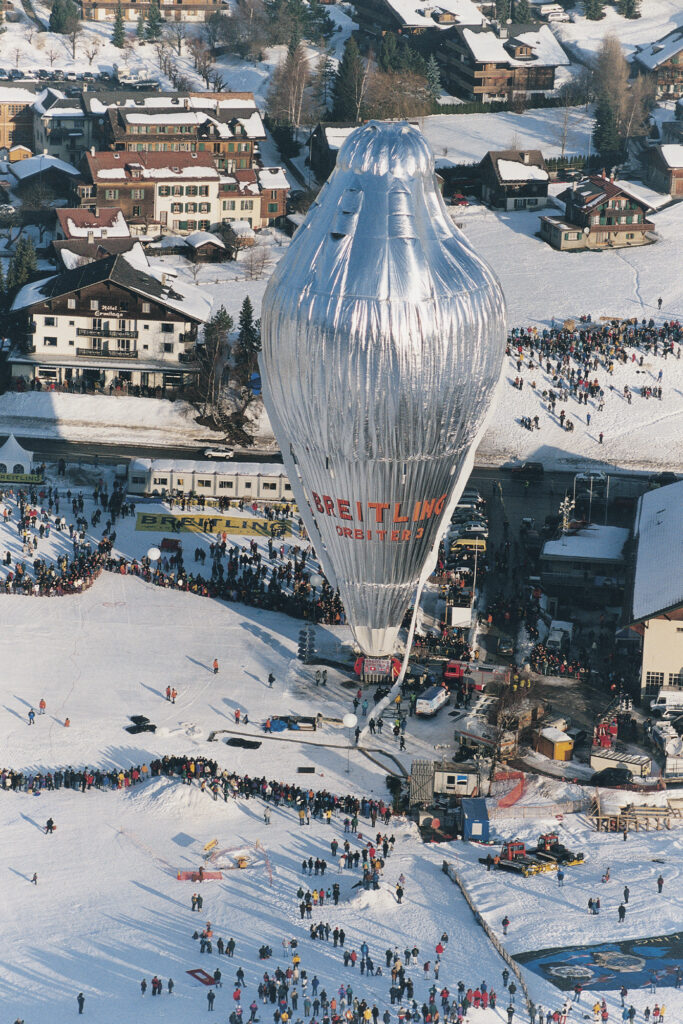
x=191, y=208
x=655, y=680
x=191, y=225
x=183, y=190
x=223, y=485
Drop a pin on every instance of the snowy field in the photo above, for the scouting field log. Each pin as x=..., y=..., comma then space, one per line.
x=109, y=910
x=466, y=138
x=583, y=38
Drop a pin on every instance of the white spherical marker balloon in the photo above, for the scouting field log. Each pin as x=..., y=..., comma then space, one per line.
x=153, y=554
x=350, y=721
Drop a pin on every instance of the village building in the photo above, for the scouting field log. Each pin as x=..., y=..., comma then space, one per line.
x=414, y=17
x=16, y=115
x=175, y=192
x=62, y=126
x=654, y=594
x=171, y=10
x=75, y=252
x=514, y=179
x=79, y=223
x=112, y=321
x=599, y=214
x=256, y=197
x=589, y=561
x=498, y=64
x=227, y=125
x=664, y=168
x=663, y=62
x=50, y=176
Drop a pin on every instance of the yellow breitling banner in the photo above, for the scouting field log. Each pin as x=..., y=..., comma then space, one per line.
x=202, y=523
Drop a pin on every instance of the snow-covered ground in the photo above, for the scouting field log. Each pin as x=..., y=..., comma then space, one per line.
x=583, y=38
x=466, y=138
x=109, y=909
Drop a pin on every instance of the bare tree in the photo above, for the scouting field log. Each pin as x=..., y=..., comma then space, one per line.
x=29, y=32
x=177, y=33
x=18, y=54
x=257, y=260
x=395, y=95
x=201, y=59
x=75, y=31
x=288, y=98
x=91, y=49
x=51, y=55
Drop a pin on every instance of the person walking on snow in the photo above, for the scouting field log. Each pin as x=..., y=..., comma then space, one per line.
x=80, y=999
x=505, y=923
x=31, y=717
x=210, y=998
x=42, y=706
x=271, y=680
x=215, y=666
x=49, y=826
x=660, y=884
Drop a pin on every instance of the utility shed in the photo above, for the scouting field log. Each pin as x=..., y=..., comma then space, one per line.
x=555, y=744
x=475, y=819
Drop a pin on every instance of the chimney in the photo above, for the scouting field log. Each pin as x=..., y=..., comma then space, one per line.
x=163, y=280
x=91, y=237
x=45, y=152
x=604, y=174
x=187, y=103
x=104, y=233
x=96, y=211
x=92, y=151
x=611, y=175
x=525, y=157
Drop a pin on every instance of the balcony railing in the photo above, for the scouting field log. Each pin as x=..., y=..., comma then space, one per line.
x=103, y=332
x=187, y=357
x=107, y=353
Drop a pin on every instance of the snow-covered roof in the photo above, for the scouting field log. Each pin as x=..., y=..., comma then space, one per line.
x=212, y=468
x=658, y=574
x=513, y=170
x=253, y=126
x=653, y=55
x=272, y=177
x=336, y=136
x=672, y=154
x=242, y=228
x=488, y=47
x=418, y=13
x=24, y=169
x=12, y=453
x=110, y=221
x=555, y=735
x=197, y=238
x=592, y=543
x=19, y=95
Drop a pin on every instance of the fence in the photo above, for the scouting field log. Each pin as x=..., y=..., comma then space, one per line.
x=532, y=811
x=453, y=874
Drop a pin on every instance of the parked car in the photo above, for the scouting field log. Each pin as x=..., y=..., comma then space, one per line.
x=458, y=199
x=4, y=75
x=662, y=479
x=219, y=452
x=15, y=74
x=614, y=778
x=506, y=646
x=475, y=528
x=529, y=471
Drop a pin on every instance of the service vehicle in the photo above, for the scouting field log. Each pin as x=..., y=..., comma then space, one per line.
x=431, y=701
x=669, y=698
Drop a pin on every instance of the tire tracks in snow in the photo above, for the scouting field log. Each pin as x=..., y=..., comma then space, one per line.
x=636, y=279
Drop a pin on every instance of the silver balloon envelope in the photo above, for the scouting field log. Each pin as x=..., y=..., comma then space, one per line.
x=383, y=336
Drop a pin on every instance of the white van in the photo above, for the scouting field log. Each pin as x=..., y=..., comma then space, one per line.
x=669, y=698
x=431, y=700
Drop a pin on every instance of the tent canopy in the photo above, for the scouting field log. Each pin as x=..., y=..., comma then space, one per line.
x=14, y=458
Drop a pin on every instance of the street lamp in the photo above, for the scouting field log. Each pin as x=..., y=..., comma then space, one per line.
x=350, y=721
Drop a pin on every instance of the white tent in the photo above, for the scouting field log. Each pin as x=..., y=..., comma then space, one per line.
x=14, y=458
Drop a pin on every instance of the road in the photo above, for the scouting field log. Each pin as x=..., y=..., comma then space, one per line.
x=58, y=448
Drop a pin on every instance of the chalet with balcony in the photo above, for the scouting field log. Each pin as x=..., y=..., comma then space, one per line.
x=599, y=214
x=62, y=126
x=663, y=62
x=16, y=115
x=499, y=63
x=107, y=322
x=192, y=11
x=257, y=198
x=414, y=17
x=514, y=179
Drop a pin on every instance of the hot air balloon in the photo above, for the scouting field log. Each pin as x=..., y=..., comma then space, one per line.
x=383, y=336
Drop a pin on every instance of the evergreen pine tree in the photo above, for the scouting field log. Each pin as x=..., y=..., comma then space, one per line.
x=140, y=27
x=118, y=36
x=57, y=17
x=153, y=26
x=349, y=84
x=523, y=12
x=594, y=9
x=629, y=8
x=502, y=10
x=433, y=77
x=606, y=135
x=3, y=283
